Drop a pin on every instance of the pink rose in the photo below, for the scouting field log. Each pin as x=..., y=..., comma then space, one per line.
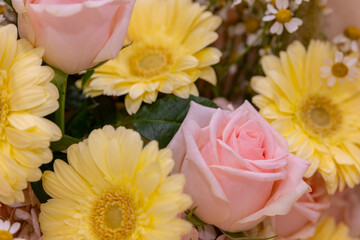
x=345, y=207
x=238, y=168
x=76, y=34
x=301, y=221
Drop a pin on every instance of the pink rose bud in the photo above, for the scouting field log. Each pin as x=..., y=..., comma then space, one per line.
x=238, y=168
x=302, y=220
x=76, y=34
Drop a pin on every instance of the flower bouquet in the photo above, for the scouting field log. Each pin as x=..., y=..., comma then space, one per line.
x=179, y=119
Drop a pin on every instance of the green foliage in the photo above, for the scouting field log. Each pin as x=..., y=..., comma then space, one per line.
x=161, y=120
x=63, y=143
x=193, y=219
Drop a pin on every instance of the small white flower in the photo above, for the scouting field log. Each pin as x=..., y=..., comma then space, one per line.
x=7, y=230
x=283, y=17
x=340, y=69
x=325, y=10
x=236, y=2
x=298, y=2
x=265, y=51
x=348, y=40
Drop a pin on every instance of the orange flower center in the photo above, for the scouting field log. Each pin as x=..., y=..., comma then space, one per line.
x=339, y=70
x=353, y=33
x=252, y=25
x=5, y=235
x=283, y=16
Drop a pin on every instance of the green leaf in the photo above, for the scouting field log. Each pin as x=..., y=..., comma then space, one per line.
x=39, y=191
x=80, y=122
x=9, y=2
x=86, y=78
x=243, y=236
x=192, y=218
x=64, y=143
x=161, y=120
x=60, y=81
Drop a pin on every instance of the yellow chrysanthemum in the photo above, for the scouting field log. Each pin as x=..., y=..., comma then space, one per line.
x=327, y=230
x=114, y=189
x=26, y=95
x=168, y=53
x=321, y=123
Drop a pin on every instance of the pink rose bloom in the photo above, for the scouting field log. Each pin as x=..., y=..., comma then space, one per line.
x=238, y=168
x=300, y=222
x=345, y=207
x=76, y=34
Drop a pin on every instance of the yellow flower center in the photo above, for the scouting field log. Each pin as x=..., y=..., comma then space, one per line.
x=284, y=16
x=5, y=235
x=339, y=70
x=2, y=9
x=114, y=216
x=252, y=25
x=273, y=2
x=320, y=115
x=150, y=62
x=352, y=33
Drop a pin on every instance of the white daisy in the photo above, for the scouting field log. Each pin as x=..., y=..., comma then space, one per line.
x=340, y=69
x=7, y=230
x=236, y=2
x=324, y=8
x=348, y=40
x=251, y=27
x=298, y=2
x=283, y=17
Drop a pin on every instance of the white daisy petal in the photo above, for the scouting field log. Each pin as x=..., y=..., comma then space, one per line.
x=354, y=46
x=291, y=26
x=14, y=228
x=340, y=39
x=326, y=71
x=268, y=18
x=280, y=29
x=350, y=61
x=271, y=9
x=331, y=82
x=6, y=225
x=339, y=56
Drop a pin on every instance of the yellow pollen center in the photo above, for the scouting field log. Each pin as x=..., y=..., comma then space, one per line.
x=150, y=62
x=339, y=70
x=2, y=9
x=114, y=216
x=320, y=115
x=273, y=2
x=353, y=33
x=252, y=25
x=5, y=235
x=283, y=16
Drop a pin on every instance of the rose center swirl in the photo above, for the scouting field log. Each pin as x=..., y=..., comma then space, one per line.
x=150, y=61
x=5, y=235
x=283, y=16
x=114, y=216
x=320, y=115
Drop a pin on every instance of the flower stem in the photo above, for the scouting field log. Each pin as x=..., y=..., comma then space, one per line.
x=60, y=81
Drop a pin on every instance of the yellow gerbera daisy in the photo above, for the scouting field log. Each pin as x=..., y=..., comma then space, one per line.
x=321, y=123
x=26, y=95
x=114, y=189
x=327, y=230
x=168, y=53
